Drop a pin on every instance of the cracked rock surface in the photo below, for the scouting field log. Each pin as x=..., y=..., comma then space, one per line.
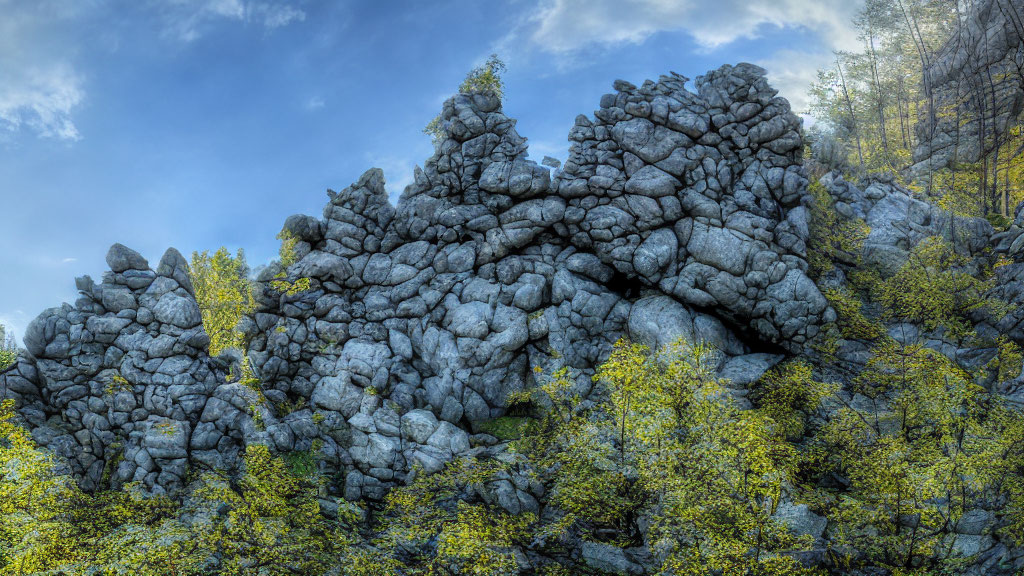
x=677, y=214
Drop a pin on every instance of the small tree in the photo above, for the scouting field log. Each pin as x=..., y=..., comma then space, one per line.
x=224, y=293
x=925, y=446
x=714, y=474
x=8, y=351
x=434, y=521
x=288, y=255
x=934, y=288
x=484, y=78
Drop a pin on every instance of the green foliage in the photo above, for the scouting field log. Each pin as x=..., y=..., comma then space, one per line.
x=788, y=394
x=879, y=104
x=917, y=452
x=8, y=351
x=273, y=523
x=116, y=384
x=574, y=450
x=448, y=533
x=714, y=473
x=851, y=320
x=832, y=238
x=7, y=358
x=288, y=255
x=301, y=463
x=224, y=293
x=1007, y=363
x=267, y=522
x=484, y=78
x=933, y=288
x=46, y=522
x=505, y=427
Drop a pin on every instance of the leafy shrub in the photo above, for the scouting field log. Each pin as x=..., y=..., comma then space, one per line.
x=224, y=294
x=933, y=288
x=851, y=320
x=832, y=238
x=788, y=393
x=484, y=78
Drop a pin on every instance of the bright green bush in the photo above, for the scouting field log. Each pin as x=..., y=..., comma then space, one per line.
x=934, y=289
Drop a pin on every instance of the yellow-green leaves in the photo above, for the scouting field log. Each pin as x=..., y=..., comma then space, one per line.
x=224, y=293
x=46, y=523
x=832, y=238
x=484, y=78
x=452, y=534
x=712, y=473
x=288, y=256
x=934, y=289
x=788, y=393
x=268, y=523
x=8, y=351
x=915, y=446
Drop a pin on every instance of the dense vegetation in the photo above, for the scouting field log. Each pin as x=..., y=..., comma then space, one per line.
x=933, y=97
x=660, y=451
x=667, y=450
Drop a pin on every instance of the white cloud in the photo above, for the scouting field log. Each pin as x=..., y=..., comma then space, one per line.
x=791, y=72
x=41, y=99
x=40, y=89
x=568, y=25
x=188, y=20
x=276, y=16
x=398, y=173
x=315, y=103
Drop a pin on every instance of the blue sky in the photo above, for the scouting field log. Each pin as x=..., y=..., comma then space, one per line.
x=202, y=123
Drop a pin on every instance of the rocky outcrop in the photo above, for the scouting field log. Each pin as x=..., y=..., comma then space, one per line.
x=1010, y=277
x=898, y=221
x=116, y=383
x=700, y=196
x=974, y=85
x=677, y=214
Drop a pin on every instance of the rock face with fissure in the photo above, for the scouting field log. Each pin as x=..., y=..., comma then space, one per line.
x=677, y=215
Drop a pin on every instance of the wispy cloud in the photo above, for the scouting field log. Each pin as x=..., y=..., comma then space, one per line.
x=41, y=100
x=188, y=20
x=42, y=86
x=562, y=26
x=275, y=15
x=567, y=29
x=791, y=72
x=398, y=173
x=315, y=103
x=40, y=89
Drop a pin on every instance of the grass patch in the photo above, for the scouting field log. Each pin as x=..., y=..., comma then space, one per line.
x=301, y=463
x=506, y=427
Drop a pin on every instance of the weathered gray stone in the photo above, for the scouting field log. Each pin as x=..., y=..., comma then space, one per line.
x=121, y=258
x=177, y=311
x=608, y=559
x=800, y=520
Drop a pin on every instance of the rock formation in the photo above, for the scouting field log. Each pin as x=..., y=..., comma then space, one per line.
x=974, y=83
x=677, y=214
x=116, y=383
